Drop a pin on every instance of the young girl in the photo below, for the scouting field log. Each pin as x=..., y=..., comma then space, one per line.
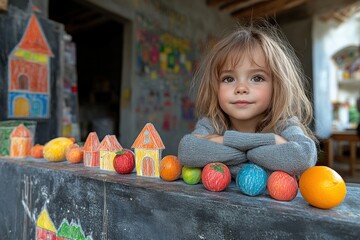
x=252, y=106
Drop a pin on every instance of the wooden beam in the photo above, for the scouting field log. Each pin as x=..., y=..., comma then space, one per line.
x=215, y=3
x=235, y=5
x=341, y=14
x=76, y=27
x=3, y=5
x=267, y=8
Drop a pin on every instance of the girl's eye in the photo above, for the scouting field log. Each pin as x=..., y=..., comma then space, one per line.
x=228, y=79
x=258, y=79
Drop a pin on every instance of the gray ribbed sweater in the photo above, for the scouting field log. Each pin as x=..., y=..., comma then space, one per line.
x=294, y=157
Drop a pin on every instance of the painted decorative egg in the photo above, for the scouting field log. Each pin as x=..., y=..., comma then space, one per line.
x=191, y=175
x=251, y=179
x=282, y=186
x=216, y=177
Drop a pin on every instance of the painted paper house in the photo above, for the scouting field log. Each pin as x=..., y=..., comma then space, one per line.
x=91, y=152
x=29, y=74
x=108, y=148
x=45, y=228
x=148, y=147
x=20, y=142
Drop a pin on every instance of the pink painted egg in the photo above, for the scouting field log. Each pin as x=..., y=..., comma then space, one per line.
x=282, y=186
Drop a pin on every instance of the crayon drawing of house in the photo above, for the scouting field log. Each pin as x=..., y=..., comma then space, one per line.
x=148, y=147
x=20, y=142
x=108, y=148
x=45, y=228
x=29, y=74
x=91, y=152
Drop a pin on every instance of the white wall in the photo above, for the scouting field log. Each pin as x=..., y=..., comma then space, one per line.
x=328, y=38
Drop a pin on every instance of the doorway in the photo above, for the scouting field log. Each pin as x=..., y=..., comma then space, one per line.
x=99, y=49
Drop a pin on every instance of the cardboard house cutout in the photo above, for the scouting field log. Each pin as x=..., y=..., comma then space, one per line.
x=29, y=74
x=148, y=147
x=91, y=152
x=108, y=148
x=20, y=142
x=45, y=228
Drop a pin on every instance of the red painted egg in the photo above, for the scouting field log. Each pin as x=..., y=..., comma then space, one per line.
x=216, y=177
x=282, y=186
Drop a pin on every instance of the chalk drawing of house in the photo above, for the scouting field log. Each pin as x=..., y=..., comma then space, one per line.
x=91, y=152
x=20, y=142
x=45, y=228
x=108, y=148
x=148, y=147
x=29, y=74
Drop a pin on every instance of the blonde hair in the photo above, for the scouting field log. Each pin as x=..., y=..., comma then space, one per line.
x=289, y=98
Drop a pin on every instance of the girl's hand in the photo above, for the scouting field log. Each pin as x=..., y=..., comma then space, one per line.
x=214, y=138
x=279, y=139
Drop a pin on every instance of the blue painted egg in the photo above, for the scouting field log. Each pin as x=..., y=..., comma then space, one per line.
x=251, y=179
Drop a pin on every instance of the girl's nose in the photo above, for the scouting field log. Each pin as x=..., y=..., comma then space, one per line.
x=241, y=89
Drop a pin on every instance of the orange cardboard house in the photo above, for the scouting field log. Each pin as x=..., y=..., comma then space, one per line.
x=107, y=149
x=91, y=152
x=20, y=142
x=148, y=147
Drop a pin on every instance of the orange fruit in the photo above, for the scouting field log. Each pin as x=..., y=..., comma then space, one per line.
x=322, y=187
x=74, y=153
x=36, y=151
x=170, y=168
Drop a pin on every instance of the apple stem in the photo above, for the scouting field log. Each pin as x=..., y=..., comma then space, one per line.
x=120, y=152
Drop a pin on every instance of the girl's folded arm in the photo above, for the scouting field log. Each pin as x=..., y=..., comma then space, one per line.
x=197, y=152
x=294, y=157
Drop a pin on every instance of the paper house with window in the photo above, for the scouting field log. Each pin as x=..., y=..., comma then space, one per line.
x=20, y=142
x=147, y=148
x=91, y=152
x=107, y=149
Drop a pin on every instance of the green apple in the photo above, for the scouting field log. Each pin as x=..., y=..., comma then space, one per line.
x=191, y=175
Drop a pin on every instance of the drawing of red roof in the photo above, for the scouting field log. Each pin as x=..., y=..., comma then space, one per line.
x=148, y=138
x=34, y=39
x=110, y=143
x=21, y=131
x=92, y=142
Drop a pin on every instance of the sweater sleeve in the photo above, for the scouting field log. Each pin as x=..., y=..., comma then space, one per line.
x=294, y=157
x=197, y=152
x=247, y=141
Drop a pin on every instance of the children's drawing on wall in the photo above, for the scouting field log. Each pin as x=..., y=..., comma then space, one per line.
x=165, y=66
x=45, y=229
x=162, y=54
x=29, y=78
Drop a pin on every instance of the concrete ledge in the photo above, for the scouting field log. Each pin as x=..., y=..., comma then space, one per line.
x=112, y=206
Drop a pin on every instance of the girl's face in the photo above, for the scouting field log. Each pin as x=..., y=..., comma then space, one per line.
x=245, y=91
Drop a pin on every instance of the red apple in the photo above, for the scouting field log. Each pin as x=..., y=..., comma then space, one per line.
x=124, y=161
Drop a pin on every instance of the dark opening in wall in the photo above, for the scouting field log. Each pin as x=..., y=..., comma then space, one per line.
x=99, y=43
